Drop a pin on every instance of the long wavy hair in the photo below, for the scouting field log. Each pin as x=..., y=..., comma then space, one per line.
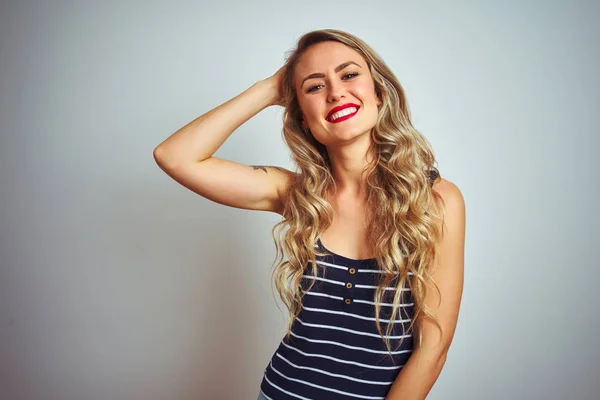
x=401, y=227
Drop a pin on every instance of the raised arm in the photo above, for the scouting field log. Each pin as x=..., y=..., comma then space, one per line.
x=187, y=155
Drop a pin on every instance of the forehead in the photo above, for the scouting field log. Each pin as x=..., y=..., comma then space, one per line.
x=325, y=56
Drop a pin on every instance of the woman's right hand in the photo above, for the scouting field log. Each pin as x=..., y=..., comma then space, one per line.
x=276, y=82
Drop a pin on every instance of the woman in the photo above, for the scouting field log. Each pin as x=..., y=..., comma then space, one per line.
x=377, y=321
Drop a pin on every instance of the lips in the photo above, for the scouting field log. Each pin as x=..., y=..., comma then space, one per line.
x=340, y=108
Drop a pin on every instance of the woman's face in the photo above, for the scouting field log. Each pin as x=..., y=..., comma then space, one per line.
x=336, y=93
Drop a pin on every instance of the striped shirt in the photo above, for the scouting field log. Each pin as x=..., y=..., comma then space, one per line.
x=335, y=351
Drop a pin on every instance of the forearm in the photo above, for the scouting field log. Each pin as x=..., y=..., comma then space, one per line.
x=417, y=377
x=201, y=138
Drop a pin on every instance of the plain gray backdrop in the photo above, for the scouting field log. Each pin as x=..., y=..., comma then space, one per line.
x=116, y=283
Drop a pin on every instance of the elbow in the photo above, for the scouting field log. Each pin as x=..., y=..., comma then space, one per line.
x=436, y=358
x=441, y=361
x=161, y=158
x=158, y=153
x=440, y=358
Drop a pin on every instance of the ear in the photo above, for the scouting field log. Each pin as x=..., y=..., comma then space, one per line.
x=378, y=96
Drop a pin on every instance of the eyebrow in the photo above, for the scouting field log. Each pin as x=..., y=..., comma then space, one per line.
x=337, y=69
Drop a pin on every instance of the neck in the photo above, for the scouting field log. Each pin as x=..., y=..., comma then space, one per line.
x=348, y=163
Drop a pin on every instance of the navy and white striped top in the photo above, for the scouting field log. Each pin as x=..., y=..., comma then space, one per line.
x=335, y=351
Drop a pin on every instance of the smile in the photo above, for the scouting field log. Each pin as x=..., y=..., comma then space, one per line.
x=343, y=114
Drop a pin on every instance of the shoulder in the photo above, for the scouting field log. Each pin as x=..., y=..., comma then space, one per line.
x=448, y=190
x=284, y=179
x=450, y=201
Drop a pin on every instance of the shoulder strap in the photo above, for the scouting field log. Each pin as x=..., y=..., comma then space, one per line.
x=433, y=175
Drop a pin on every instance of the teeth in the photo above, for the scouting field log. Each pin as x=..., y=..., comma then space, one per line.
x=343, y=113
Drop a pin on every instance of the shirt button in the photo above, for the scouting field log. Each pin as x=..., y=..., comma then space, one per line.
x=352, y=270
x=348, y=285
x=348, y=301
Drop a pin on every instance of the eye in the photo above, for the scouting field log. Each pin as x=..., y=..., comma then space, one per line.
x=313, y=88
x=350, y=75
x=344, y=77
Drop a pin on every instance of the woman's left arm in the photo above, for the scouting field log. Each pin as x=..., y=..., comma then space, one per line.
x=418, y=375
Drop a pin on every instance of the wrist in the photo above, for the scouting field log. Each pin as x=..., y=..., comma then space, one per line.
x=269, y=90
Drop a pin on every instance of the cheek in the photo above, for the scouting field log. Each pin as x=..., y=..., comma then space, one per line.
x=368, y=91
x=310, y=109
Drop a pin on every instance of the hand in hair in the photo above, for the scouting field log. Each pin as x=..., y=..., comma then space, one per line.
x=276, y=80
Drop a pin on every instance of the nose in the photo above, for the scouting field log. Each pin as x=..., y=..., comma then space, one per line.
x=335, y=92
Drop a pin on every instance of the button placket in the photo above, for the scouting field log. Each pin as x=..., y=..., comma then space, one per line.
x=349, y=284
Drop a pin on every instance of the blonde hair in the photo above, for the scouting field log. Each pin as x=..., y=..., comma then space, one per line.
x=402, y=228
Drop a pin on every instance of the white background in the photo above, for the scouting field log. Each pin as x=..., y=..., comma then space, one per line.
x=118, y=283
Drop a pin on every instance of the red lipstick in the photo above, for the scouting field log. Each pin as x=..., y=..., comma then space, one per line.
x=339, y=108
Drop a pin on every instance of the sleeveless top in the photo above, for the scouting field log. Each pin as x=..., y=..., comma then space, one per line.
x=335, y=351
